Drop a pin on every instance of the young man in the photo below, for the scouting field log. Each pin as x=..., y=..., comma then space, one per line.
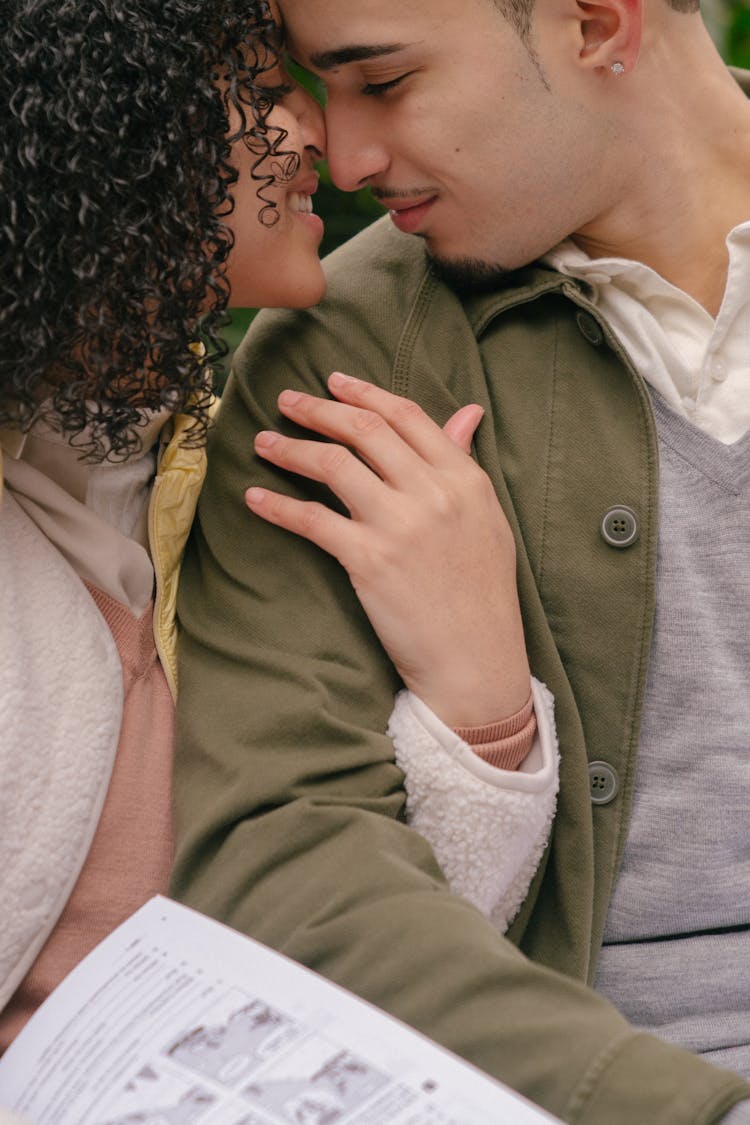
x=577, y=174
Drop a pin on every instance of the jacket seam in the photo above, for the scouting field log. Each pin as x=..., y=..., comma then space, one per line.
x=547, y=472
x=412, y=328
x=592, y=1076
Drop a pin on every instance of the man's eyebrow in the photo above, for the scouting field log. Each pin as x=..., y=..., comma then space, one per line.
x=327, y=60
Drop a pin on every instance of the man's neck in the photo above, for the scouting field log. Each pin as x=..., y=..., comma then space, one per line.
x=698, y=265
x=684, y=193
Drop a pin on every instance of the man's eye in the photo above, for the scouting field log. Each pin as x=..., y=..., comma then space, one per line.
x=377, y=89
x=278, y=93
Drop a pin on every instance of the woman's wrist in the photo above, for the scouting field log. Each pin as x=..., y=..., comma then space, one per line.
x=506, y=742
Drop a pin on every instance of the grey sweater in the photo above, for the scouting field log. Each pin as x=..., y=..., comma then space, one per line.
x=677, y=941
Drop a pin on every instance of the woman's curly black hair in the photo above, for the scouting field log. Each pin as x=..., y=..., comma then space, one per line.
x=115, y=175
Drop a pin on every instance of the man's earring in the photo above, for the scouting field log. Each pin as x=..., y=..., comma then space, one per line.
x=617, y=69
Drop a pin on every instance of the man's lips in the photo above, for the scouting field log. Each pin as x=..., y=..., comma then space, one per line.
x=409, y=214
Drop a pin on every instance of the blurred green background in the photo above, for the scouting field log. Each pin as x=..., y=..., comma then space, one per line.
x=729, y=24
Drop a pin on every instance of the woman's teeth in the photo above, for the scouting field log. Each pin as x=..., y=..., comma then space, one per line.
x=299, y=202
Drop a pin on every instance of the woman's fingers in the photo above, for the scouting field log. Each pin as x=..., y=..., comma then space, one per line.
x=333, y=465
x=329, y=530
x=391, y=434
x=365, y=431
x=399, y=470
x=462, y=425
x=405, y=417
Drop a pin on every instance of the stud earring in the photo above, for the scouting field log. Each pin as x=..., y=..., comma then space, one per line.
x=617, y=69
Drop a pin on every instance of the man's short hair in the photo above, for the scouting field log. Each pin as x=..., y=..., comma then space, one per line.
x=518, y=12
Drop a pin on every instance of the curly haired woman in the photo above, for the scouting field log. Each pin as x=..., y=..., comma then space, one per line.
x=140, y=144
x=153, y=156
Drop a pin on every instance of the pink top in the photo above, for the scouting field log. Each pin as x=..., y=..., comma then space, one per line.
x=504, y=744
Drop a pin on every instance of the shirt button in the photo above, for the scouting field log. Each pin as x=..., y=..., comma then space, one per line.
x=719, y=370
x=590, y=328
x=620, y=527
x=603, y=783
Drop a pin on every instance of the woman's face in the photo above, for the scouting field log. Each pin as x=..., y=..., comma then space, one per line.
x=274, y=262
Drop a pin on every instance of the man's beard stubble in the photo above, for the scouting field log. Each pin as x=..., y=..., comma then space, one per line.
x=469, y=275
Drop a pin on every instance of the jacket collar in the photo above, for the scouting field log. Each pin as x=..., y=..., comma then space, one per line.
x=524, y=286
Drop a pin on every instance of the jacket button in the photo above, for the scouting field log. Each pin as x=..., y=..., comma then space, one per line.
x=603, y=783
x=590, y=328
x=620, y=527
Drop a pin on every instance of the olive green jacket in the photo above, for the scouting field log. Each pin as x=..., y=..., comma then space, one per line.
x=290, y=810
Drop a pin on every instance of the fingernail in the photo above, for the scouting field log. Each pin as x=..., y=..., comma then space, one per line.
x=255, y=495
x=338, y=379
x=265, y=439
x=289, y=398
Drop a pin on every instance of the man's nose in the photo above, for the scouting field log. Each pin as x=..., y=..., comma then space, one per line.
x=356, y=154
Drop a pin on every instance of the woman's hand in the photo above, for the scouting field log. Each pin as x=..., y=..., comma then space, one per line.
x=427, y=548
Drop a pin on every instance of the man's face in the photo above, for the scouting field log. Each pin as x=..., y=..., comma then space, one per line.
x=475, y=144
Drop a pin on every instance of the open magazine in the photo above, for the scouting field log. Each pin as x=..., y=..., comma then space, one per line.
x=175, y=1019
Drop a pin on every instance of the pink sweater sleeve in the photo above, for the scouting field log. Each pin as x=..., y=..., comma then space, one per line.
x=504, y=744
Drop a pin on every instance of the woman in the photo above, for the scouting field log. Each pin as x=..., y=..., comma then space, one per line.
x=140, y=146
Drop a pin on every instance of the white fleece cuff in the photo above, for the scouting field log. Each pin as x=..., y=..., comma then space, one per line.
x=488, y=827
x=413, y=718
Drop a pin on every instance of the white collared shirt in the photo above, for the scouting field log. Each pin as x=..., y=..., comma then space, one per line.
x=698, y=364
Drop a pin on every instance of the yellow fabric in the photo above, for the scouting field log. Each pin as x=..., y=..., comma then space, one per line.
x=179, y=477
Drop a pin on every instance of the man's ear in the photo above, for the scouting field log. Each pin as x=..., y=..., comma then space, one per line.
x=611, y=33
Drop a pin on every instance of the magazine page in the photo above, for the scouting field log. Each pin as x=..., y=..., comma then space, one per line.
x=175, y=1019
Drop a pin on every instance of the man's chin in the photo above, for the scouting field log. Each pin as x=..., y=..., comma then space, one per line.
x=471, y=275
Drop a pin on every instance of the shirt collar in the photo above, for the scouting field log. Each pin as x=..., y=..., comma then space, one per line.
x=569, y=259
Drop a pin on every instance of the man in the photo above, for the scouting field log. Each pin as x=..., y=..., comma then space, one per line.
x=573, y=171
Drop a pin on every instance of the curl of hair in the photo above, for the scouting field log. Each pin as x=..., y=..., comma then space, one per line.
x=115, y=176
